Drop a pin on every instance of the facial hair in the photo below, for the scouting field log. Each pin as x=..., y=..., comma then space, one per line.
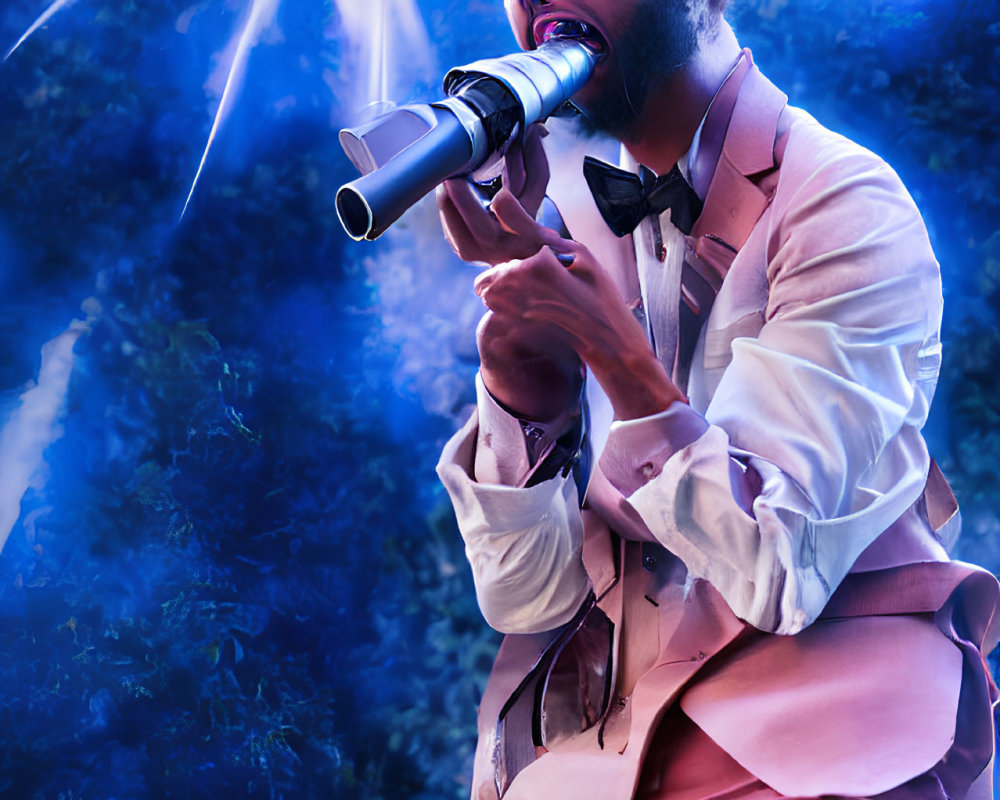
x=659, y=41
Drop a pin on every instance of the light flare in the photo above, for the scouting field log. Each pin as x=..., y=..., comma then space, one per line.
x=388, y=50
x=261, y=17
x=38, y=23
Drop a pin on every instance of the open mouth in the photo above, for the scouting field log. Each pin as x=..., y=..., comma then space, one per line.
x=547, y=30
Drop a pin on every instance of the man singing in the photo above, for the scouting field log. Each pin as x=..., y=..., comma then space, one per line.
x=742, y=589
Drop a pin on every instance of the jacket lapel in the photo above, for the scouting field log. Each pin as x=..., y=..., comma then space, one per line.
x=735, y=200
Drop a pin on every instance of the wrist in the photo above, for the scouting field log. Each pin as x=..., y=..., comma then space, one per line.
x=637, y=386
x=536, y=392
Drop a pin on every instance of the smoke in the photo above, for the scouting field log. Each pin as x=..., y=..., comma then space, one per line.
x=424, y=300
x=36, y=423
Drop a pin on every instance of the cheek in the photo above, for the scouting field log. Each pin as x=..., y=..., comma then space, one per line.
x=518, y=19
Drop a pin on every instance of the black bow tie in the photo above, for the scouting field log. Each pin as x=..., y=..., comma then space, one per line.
x=625, y=199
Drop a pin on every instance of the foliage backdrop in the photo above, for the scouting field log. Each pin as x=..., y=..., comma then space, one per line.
x=236, y=574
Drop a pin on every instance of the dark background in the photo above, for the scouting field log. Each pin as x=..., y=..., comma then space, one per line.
x=235, y=574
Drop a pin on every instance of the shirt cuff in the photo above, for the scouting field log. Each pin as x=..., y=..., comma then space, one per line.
x=637, y=449
x=509, y=449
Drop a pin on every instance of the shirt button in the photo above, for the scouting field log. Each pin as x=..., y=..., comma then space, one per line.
x=661, y=253
x=649, y=562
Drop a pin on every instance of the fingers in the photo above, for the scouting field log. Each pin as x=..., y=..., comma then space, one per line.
x=484, y=280
x=456, y=230
x=469, y=208
x=536, y=170
x=513, y=165
x=576, y=258
x=476, y=234
x=545, y=288
x=517, y=221
x=514, y=287
x=507, y=230
x=526, y=168
x=530, y=275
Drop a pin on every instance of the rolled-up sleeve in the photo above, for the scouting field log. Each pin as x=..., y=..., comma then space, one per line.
x=811, y=445
x=524, y=544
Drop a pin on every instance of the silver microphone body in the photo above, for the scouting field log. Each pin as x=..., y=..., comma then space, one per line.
x=405, y=153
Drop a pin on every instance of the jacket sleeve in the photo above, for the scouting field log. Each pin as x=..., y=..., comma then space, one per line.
x=811, y=444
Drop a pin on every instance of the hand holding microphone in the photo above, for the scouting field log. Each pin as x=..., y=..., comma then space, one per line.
x=407, y=152
x=506, y=229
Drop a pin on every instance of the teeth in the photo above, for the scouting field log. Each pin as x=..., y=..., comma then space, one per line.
x=572, y=29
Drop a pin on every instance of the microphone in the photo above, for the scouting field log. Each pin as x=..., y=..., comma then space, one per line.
x=405, y=153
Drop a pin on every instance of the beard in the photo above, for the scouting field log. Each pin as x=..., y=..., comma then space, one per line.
x=658, y=42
